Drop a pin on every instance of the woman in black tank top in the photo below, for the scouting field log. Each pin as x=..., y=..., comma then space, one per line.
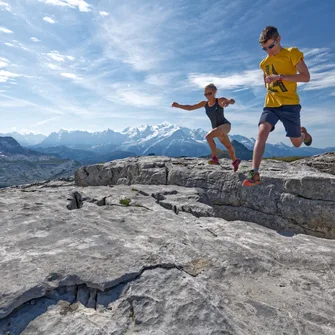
x=220, y=125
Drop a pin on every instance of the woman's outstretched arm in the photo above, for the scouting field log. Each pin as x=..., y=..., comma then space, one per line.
x=189, y=107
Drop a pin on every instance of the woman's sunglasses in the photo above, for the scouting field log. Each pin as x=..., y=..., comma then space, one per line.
x=208, y=93
x=271, y=45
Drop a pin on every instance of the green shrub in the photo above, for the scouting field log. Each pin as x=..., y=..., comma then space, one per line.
x=125, y=201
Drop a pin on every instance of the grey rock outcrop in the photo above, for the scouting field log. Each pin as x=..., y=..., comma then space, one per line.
x=292, y=197
x=324, y=163
x=19, y=165
x=150, y=260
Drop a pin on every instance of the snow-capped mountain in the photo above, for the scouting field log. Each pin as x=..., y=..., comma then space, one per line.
x=161, y=139
x=247, y=142
x=164, y=139
x=82, y=139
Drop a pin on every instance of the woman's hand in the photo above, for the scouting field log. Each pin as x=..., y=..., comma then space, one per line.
x=226, y=102
x=175, y=104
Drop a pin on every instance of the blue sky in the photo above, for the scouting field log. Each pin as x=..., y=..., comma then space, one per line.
x=93, y=65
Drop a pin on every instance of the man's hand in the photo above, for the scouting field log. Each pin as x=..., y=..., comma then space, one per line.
x=175, y=104
x=271, y=78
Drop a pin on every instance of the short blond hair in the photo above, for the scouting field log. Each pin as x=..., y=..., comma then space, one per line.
x=212, y=87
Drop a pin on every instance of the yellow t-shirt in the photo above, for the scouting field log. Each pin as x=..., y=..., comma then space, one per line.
x=282, y=92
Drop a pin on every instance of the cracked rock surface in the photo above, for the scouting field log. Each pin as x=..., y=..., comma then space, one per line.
x=154, y=259
x=297, y=198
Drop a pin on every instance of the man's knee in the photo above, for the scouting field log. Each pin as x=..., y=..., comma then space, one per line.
x=296, y=142
x=264, y=130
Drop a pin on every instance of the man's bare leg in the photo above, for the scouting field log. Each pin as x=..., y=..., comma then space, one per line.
x=263, y=134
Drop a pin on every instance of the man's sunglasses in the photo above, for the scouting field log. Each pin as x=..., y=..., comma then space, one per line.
x=208, y=93
x=271, y=45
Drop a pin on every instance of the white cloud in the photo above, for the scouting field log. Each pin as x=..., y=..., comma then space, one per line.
x=55, y=55
x=49, y=19
x=34, y=39
x=102, y=13
x=136, y=98
x=133, y=37
x=3, y=62
x=320, y=80
x=5, y=6
x=69, y=75
x=6, y=75
x=250, y=78
x=16, y=44
x=45, y=121
x=82, y=5
x=5, y=30
x=54, y=67
x=322, y=71
x=161, y=79
x=315, y=56
x=241, y=89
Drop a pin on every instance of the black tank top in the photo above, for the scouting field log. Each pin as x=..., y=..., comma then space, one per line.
x=215, y=114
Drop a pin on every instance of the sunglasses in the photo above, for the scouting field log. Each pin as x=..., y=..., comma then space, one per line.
x=271, y=45
x=209, y=93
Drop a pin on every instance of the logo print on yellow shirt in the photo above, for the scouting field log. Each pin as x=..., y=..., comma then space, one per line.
x=278, y=83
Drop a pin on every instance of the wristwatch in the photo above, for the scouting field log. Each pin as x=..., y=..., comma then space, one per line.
x=281, y=77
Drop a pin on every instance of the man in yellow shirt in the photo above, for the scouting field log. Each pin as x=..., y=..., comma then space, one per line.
x=280, y=69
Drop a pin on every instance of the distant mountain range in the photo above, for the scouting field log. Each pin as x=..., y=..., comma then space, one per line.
x=19, y=165
x=161, y=139
x=25, y=139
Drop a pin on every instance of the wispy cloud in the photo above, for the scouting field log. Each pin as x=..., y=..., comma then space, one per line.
x=54, y=67
x=249, y=78
x=5, y=6
x=55, y=55
x=82, y=5
x=161, y=79
x=6, y=75
x=136, y=98
x=5, y=30
x=102, y=13
x=3, y=62
x=321, y=69
x=70, y=75
x=321, y=80
x=49, y=19
x=34, y=39
x=16, y=44
x=45, y=121
x=133, y=37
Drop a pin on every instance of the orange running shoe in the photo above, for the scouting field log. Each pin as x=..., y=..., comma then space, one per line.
x=253, y=179
x=308, y=138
